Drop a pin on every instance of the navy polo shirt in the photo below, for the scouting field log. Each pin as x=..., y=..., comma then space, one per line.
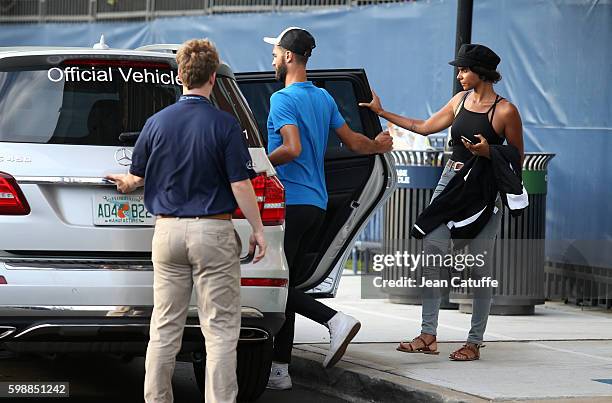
x=189, y=153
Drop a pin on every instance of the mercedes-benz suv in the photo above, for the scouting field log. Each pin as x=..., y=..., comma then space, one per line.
x=75, y=269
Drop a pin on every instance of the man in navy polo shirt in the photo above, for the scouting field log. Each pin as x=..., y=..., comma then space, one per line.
x=301, y=116
x=194, y=163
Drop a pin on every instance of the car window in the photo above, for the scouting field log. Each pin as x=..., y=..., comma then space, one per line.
x=343, y=93
x=83, y=101
x=258, y=95
x=88, y=102
x=228, y=97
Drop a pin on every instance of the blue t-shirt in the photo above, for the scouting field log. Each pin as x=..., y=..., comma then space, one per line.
x=189, y=153
x=314, y=112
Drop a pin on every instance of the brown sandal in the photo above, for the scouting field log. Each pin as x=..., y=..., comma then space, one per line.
x=468, y=352
x=427, y=348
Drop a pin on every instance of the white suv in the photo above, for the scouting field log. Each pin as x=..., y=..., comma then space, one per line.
x=75, y=269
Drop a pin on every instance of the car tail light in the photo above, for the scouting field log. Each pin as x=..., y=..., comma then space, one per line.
x=264, y=282
x=3, y=280
x=12, y=200
x=270, y=195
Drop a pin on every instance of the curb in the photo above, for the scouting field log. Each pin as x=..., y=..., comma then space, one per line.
x=360, y=384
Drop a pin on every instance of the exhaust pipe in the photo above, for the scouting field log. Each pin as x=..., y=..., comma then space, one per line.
x=251, y=334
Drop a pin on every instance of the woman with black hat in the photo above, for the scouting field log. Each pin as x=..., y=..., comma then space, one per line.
x=478, y=116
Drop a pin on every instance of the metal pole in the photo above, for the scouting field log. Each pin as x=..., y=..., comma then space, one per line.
x=149, y=10
x=464, y=33
x=93, y=10
x=42, y=11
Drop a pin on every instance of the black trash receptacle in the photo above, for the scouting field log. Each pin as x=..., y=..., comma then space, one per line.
x=418, y=173
x=518, y=261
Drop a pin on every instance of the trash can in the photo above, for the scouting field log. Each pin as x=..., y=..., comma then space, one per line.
x=518, y=261
x=418, y=173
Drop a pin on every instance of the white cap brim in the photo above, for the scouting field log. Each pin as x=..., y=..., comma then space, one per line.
x=271, y=41
x=276, y=41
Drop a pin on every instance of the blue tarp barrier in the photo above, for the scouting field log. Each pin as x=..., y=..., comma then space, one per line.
x=556, y=67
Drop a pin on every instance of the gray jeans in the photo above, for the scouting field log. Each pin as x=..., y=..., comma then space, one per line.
x=438, y=242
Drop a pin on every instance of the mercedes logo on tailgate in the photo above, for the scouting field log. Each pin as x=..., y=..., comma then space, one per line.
x=123, y=156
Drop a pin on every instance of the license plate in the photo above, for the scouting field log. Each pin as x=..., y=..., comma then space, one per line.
x=121, y=210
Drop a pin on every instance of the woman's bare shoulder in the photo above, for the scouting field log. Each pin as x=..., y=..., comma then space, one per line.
x=507, y=108
x=456, y=99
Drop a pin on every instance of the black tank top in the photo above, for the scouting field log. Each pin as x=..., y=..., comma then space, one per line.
x=469, y=124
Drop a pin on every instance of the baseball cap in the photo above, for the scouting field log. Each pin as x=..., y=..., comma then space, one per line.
x=473, y=54
x=295, y=39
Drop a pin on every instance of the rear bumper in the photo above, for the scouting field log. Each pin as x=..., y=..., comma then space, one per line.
x=110, y=329
x=79, y=290
x=68, y=304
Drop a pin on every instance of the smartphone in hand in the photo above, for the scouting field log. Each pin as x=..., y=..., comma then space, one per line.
x=468, y=140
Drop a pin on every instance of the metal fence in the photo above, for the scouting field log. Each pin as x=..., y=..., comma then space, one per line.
x=31, y=11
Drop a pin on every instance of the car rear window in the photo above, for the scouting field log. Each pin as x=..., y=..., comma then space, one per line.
x=81, y=101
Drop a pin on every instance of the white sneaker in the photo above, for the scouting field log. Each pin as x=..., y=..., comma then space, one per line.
x=342, y=329
x=279, y=377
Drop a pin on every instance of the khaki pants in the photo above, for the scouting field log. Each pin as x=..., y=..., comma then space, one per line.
x=200, y=254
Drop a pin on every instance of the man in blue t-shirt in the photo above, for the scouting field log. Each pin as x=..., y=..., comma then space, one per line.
x=194, y=164
x=301, y=116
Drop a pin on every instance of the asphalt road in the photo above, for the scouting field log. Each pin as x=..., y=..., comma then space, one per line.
x=104, y=379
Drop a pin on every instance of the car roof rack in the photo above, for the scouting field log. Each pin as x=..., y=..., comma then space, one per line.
x=161, y=47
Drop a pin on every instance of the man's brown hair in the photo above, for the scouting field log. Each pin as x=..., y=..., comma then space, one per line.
x=197, y=61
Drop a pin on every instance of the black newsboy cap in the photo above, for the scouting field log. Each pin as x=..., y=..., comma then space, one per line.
x=473, y=54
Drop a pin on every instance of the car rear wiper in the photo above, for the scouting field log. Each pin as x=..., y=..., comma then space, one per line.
x=129, y=137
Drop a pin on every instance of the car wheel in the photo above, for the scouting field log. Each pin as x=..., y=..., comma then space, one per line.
x=254, y=361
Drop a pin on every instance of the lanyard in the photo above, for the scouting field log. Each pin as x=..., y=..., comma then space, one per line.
x=194, y=98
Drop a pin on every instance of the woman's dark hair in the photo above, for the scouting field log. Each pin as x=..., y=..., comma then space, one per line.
x=486, y=74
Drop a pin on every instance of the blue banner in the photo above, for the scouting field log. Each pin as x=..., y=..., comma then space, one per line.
x=556, y=59
x=418, y=177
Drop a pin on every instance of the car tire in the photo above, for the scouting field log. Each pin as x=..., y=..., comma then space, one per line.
x=253, y=371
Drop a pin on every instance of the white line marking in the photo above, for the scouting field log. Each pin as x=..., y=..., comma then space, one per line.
x=562, y=350
x=460, y=329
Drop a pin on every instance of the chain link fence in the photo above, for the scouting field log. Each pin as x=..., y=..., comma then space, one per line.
x=33, y=11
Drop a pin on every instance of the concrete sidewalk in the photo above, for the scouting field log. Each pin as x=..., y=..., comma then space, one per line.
x=561, y=353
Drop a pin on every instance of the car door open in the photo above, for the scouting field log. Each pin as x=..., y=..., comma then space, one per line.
x=356, y=184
